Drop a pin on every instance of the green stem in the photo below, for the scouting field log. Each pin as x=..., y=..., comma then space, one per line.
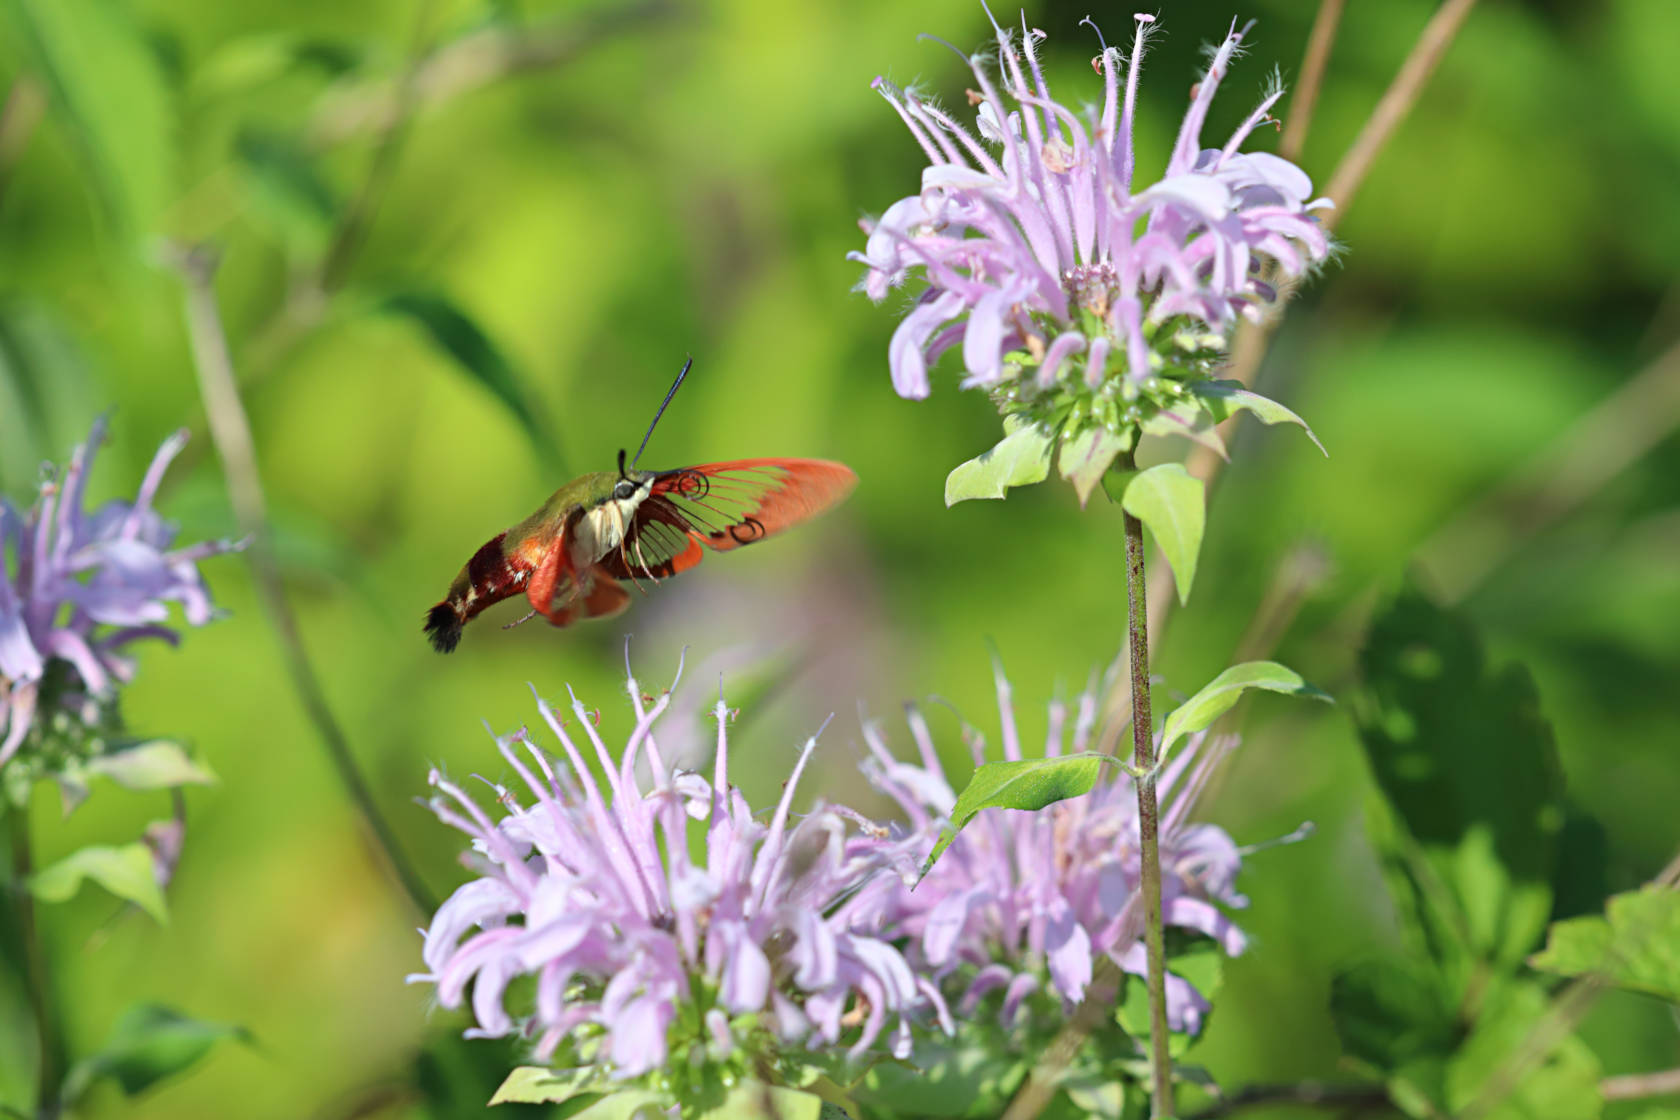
x=1149, y=811
x=49, y=1044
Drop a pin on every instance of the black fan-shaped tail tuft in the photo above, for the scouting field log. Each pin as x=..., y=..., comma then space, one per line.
x=443, y=627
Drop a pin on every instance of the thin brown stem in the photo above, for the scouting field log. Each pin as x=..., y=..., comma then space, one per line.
x=1149, y=816
x=1313, y=65
x=50, y=1056
x=1396, y=104
x=230, y=430
x=1637, y=1086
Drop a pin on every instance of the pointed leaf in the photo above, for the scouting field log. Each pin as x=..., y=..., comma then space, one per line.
x=126, y=872
x=1170, y=501
x=627, y=1104
x=1021, y=458
x=1219, y=695
x=156, y=764
x=1635, y=946
x=109, y=90
x=1190, y=419
x=456, y=334
x=148, y=1044
x=1086, y=458
x=541, y=1085
x=1226, y=398
x=1028, y=784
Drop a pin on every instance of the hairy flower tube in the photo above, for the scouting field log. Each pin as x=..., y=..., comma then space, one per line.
x=76, y=588
x=1081, y=299
x=1026, y=902
x=645, y=960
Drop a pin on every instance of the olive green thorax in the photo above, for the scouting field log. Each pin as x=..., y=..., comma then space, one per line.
x=581, y=496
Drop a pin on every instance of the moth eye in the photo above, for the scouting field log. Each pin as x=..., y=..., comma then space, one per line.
x=624, y=489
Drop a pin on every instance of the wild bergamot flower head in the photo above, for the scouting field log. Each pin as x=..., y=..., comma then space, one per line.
x=1091, y=307
x=76, y=589
x=685, y=973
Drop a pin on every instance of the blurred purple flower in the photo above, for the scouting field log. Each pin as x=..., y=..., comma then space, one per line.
x=592, y=891
x=1045, y=248
x=77, y=587
x=1021, y=899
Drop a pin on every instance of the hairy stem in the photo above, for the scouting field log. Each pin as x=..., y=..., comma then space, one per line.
x=1149, y=814
x=230, y=430
x=49, y=1042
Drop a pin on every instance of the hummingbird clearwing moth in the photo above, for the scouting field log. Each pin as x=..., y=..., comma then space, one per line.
x=570, y=558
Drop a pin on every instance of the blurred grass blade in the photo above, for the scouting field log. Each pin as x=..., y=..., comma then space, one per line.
x=109, y=91
x=287, y=193
x=456, y=334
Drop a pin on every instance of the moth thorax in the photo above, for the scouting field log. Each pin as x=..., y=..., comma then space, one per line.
x=602, y=529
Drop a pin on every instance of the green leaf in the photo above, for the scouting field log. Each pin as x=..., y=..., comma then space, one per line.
x=1389, y=1013
x=286, y=190
x=1563, y=1084
x=1219, y=695
x=456, y=334
x=754, y=1100
x=1192, y=420
x=1170, y=501
x=126, y=872
x=241, y=64
x=1635, y=946
x=541, y=1085
x=1029, y=784
x=109, y=90
x=1226, y=398
x=154, y=764
x=1085, y=458
x=149, y=1043
x=630, y=1104
x=1466, y=761
x=952, y=1077
x=1202, y=966
x=1021, y=458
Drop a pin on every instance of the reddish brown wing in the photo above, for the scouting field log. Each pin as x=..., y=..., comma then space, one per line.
x=723, y=506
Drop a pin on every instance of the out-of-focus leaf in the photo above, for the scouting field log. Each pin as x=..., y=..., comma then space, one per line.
x=1635, y=946
x=149, y=1043
x=1021, y=458
x=286, y=190
x=1219, y=695
x=1580, y=880
x=253, y=60
x=154, y=764
x=1226, y=398
x=43, y=377
x=1467, y=762
x=1085, y=458
x=540, y=1085
x=126, y=872
x=456, y=334
x=1561, y=1085
x=108, y=90
x=954, y=1077
x=754, y=1100
x=1389, y=1013
x=630, y=1104
x=1029, y=784
x=1171, y=502
x=1097, y=1094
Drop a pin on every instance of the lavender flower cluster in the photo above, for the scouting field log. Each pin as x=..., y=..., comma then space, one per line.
x=805, y=926
x=77, y=588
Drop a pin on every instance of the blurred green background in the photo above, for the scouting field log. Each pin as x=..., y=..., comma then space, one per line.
x=600, y=190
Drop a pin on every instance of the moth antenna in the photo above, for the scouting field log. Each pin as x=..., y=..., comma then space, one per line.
x=621, y=473
x=675, y=385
